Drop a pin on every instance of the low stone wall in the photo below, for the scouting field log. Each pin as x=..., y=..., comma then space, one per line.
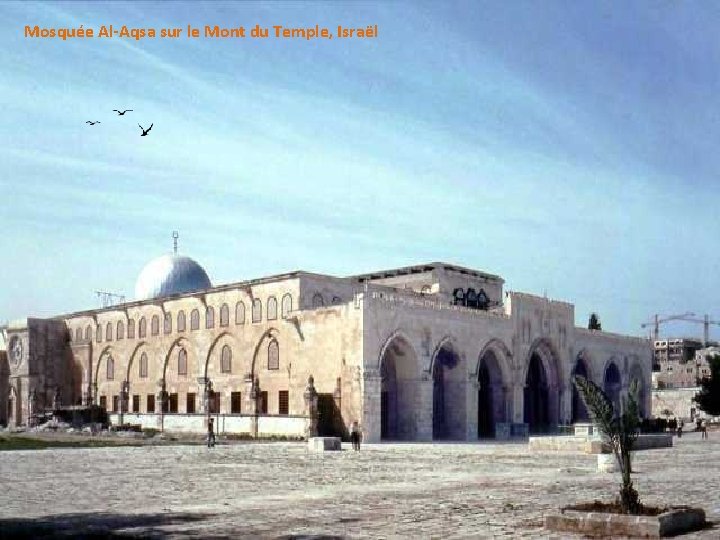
x=679, y=401
x=593, y=445
x=670, y=523
x=269, y=425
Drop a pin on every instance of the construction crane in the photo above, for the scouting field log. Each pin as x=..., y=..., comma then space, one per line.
x=689, y=317
x=657, y=320
x=706, y=327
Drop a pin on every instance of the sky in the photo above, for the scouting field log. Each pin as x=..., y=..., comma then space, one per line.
x=570, y=147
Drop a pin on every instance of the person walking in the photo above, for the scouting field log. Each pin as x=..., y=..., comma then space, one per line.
x=211, y=433
x=355, y=435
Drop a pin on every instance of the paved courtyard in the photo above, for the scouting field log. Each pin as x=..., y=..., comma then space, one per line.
x=280, y=490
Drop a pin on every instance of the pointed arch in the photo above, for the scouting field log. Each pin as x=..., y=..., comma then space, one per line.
x=541, y=397
x=449, y=376
x=399, y=373
x=224, y=337
x=269, y=334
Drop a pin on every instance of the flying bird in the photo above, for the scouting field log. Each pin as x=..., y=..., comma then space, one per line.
x=93, y=123
x=145, y=131
x=122, y=112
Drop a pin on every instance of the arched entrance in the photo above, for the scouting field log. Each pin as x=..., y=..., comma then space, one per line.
x=449, y=387
x=579, y=411
x=612, y=385
x=491, y=397
x=541, y=396
x=399, y=376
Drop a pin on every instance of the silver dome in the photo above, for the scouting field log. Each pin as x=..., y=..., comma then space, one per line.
x=168, y=275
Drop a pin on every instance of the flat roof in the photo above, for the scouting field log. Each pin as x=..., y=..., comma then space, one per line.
x=425, y=268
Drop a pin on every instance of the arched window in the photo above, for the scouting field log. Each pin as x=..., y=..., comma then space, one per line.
x=224, y=315
x=271, y=309
x=317, y=300
x=286, y=306
x=110, y=368
x=108, y=332
x=167, y=323
x=143, y=366
x=78, y=334
x=142, y=328
x=181, y=321
x=210, y=317
x=131, y=328
x=194, y=319
x=88, y=333
x=155, y=325
x=182, y=362
x=240, y=313
x=257, y=310
x=120, y=332
x=226, y=359
x=98, y=333
x=273, y=361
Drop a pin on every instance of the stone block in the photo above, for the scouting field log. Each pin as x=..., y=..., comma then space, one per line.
x=519, y=430
x=584, y=429
x=607, y=463
x=502, y=431
x=324, y=444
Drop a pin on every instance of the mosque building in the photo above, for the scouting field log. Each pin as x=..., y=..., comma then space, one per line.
x=426, y=352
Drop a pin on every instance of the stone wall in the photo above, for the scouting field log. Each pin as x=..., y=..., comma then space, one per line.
x=678, y=401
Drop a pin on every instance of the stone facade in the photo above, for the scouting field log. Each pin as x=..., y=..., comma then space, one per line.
x=419, y=353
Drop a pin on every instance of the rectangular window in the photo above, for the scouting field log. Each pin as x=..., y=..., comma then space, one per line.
x=136, y=404
x=190, y=403
x=283, y=402
x=173, y=403
x=151, y=403
x=263, y=402
x=236, y=403
x=116, y=401
x=103, y=402
x=215, y=403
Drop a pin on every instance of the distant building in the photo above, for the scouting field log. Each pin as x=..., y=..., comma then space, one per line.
x=674, y=362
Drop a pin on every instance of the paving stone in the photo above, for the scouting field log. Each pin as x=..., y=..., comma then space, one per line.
x=459, y=490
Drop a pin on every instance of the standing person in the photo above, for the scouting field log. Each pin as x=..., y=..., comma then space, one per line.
x=680, y=428
x=355, y=435
x=211, y=433
x=703, y=429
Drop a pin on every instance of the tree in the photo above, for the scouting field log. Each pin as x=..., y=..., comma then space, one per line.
x=594, y=322
x=708, y=399
x=620, y=429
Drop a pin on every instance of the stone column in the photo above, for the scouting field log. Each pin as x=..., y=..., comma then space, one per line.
x=311, y=401
x=255, y=398
x=123, y=400
x=424, y=408
x=370, y=421
x=32, y=398
x=471, y=407
x=519, y=427
x=57, y=400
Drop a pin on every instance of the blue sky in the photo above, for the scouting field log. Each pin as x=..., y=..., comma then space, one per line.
x=570, y=147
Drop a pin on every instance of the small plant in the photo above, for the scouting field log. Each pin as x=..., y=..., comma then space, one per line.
x=620, y=429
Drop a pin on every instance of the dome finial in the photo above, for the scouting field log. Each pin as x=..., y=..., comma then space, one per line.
x=175, y=236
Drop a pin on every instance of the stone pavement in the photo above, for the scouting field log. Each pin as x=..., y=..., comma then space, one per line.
x=280, y=490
